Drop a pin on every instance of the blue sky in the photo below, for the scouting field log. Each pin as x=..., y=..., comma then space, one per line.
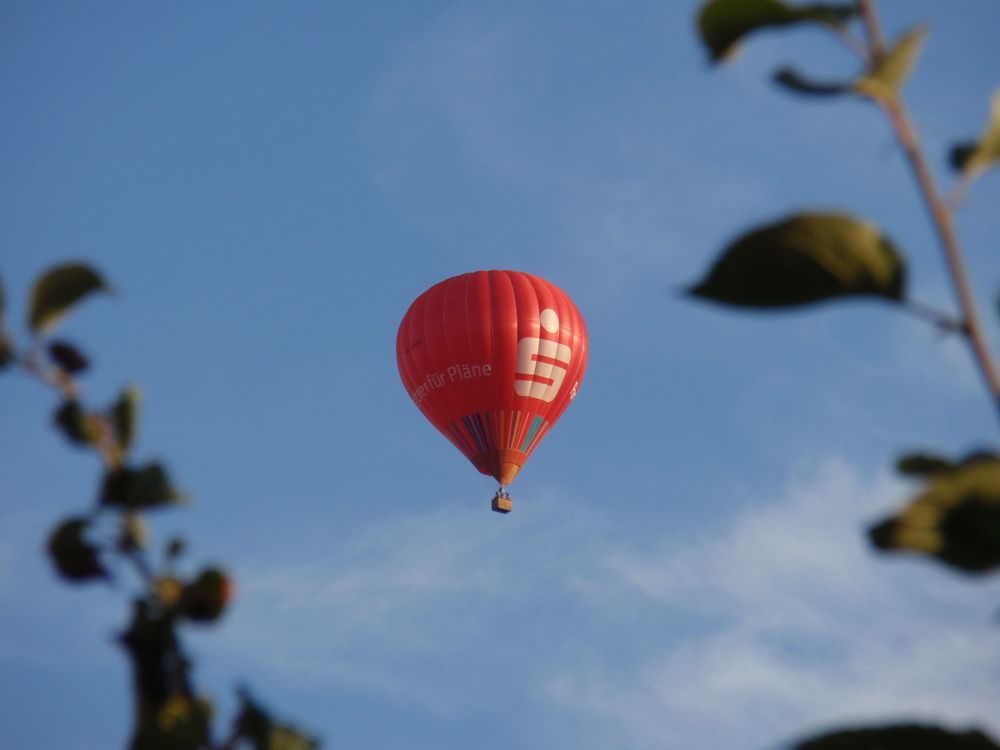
x=269, y=185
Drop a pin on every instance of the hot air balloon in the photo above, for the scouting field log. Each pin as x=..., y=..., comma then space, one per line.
x=492, y=359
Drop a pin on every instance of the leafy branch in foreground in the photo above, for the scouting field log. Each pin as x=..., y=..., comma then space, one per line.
x=96, y=545
x=813, y=256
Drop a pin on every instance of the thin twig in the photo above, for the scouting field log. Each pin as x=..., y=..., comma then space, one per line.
x=869, y=17
x=940, y=215
x=50, y=376
x=852, y=42
x=142, y=566
x=958, y=191
x=943, y=320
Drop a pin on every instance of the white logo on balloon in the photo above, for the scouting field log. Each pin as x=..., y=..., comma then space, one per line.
x=539, y=374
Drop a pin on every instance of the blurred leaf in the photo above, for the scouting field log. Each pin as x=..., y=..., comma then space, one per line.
x=255, y=725
x=205, y=598
x=57, y=290
x=956, y=519
x=723, y=23
x=792, y=80
x=802, y=259
x=174, y=548
x=887, y=75
x=7, y=355
x=6, y=346
x=973, y=158
x=68, y=357
x=960, y=154
x=145, y=487
x=74, y=423
x=75, y=558
x=899, y=737
x=123, y=416
x=922, y=464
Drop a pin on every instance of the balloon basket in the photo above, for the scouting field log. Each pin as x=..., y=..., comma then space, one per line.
x=501, y=502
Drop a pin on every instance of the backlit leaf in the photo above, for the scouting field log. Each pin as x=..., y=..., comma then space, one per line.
x=803, y=259
x=887, y=75
x=263, y=733
x=205, y=598
x=975, y=157
x=899, y=737
x=956, y=519
x=74, y=423
x=922, y=464
x=792, y=80
x=7, y=355
x=723, y=23
x=57, y=290
x=6, y=346
x=68, y=358
x=124, y=415
x=145, y=487
x=75, y=558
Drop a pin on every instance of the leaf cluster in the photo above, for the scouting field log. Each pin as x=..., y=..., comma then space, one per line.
x=819, y=256
x=96, y=546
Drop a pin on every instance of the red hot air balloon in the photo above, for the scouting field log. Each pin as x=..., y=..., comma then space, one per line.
x=492, y=359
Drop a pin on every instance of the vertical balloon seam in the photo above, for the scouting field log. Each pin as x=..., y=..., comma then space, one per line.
x=540, y=297
x=500, y=323
x=568, y=328
x=423, y=355
x=470, y=297
x=520, y=305
x=458, y=287
x=437, y=298
x=554, y=296
x=405, y=360
x=448, y=291
x=486, y=323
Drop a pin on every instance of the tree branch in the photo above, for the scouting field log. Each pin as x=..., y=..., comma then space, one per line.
x=940, y=215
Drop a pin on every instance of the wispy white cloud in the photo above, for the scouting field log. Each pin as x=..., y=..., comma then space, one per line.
x=801, y=627
x=768, y=624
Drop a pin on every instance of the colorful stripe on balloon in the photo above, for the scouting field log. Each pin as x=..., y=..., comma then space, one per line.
x=481, y=432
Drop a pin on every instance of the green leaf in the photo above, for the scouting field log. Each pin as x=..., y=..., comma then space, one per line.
x=887, y=75
x=123, y=416
x=802, y=259
x=145, y=487
x=205, y=598
x=792, y=80
x=67, y=357
x=75, y=558
x=57, y=290
x=973, y=158
x=255, y=725
x=7, y=355
x=6, y=346
x=723, y=23
x=922, y=464
x=899, y=737
x=956, y=519
x=74, y=423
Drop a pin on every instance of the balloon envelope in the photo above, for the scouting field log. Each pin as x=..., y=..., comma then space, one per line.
x=492, y=359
